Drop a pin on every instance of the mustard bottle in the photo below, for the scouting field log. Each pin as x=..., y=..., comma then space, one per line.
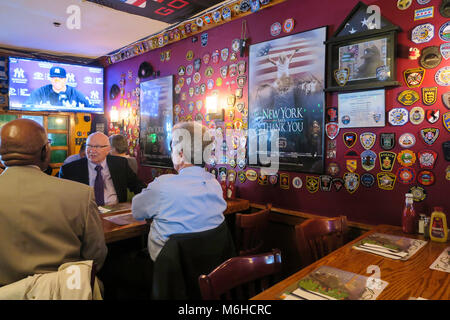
x=438, y=225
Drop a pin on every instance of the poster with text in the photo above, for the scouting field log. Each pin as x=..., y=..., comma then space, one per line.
x=286, y=82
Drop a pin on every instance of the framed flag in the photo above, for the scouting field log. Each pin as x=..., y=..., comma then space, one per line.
x=156, y=121
x=286, y=101
x=361, y=53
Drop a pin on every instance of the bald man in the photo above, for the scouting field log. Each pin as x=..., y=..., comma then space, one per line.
x=44, y=221
x=110, y=176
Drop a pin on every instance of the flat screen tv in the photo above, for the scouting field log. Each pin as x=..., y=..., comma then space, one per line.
x=36, y=85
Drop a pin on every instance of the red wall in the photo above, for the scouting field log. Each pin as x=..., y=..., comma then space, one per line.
x=373, y=205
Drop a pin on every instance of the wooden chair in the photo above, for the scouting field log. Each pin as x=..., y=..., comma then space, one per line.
x=241, y=278
x=250, y=229
x=316, y=238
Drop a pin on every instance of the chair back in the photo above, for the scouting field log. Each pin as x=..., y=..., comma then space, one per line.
x=316, y=238
x=241, y=278
x=185, y=257
x=250, y=229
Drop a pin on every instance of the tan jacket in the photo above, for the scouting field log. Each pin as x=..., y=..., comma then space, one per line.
x=45, y=222
x=72, y=281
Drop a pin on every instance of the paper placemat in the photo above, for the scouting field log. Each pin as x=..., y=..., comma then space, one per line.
x=390, y=246
x=121, y=219
x=442, y=263
x=328, y=283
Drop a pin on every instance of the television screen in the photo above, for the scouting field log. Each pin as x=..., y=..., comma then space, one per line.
x=50, y=86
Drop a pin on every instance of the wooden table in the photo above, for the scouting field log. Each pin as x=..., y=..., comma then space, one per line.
x=410, y=278
x=114, y=232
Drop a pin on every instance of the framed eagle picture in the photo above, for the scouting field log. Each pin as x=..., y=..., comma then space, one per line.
x=286, y=102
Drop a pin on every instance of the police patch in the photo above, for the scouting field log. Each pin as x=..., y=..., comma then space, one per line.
x=387, y=141
x=406, y=158
x=350, y=139
x=312, y=184
x=429, y=135
x=446, y=120
x=368, y=159
x=429, y=95
x=426, y=177
x=341, y=76
x=332, y=130
x=414, y=77
x=398, y=116
x=387, y=160
x=416, y=115
x=351, y=181
x=367, y=180
x=406, y=175
x=367, y=139
x=325, y=182
x=408, y=97
x=386, y=180
x=427, y=159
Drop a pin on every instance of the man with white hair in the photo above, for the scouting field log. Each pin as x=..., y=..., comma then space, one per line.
x=191, y=201
x=110, y=176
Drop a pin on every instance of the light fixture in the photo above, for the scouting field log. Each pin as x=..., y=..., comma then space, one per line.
x=212, y=111
x=114, y=115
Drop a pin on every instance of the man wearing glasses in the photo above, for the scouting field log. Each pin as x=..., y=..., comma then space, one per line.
x=110, y=176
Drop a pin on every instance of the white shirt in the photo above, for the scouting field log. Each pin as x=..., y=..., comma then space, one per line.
x=110, y=194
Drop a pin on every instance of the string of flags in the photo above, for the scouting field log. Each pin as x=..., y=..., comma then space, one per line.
x=226, y=12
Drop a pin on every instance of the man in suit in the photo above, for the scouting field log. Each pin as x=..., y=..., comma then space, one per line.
x=110, y=176
x=44, y=221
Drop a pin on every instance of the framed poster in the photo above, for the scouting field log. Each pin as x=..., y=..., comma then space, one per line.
x=156, y=121
x=362, y=109
x=286, y=82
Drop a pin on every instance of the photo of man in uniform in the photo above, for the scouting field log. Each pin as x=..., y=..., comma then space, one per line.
x=58, y=93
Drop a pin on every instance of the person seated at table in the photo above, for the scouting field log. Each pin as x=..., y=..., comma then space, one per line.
x=44, y=221
x=119, y=147
x=80, y=155
x=191, y=201
x=110, y=176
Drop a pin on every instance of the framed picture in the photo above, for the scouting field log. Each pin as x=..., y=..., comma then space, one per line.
x=361, y=53
x=156, y=121
x=286, y=102
x=362, y=109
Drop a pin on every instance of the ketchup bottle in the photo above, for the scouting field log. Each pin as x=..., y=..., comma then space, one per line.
x=409, y=217
x=223, y=184
x=231, y=190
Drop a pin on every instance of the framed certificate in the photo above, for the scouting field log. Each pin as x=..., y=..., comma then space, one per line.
x=362, y=109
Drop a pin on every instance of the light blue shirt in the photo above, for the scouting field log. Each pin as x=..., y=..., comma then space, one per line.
x=110, y=194
x=191, y=201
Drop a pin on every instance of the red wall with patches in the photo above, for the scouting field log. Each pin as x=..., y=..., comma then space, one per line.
x=366, y=205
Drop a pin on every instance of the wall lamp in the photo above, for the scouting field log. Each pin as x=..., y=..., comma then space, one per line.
x=212, y=105
x=114, y=115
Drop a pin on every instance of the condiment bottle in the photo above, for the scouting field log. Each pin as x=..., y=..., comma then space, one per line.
x=231, y=189
x=421, y=224
x=438, y=225
x=223, y=184
x=409, y=216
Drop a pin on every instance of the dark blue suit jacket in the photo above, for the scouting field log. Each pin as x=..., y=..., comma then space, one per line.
x=122, y=175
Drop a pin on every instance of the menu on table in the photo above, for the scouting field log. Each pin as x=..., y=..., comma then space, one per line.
x=442, y=263
x=390, y=246
x=328, y=283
